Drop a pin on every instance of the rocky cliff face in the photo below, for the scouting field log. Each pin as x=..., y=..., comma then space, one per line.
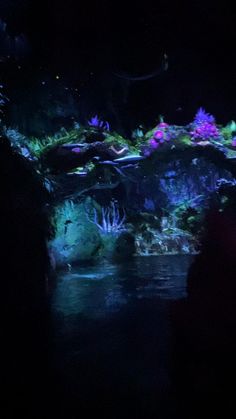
x=159, y=204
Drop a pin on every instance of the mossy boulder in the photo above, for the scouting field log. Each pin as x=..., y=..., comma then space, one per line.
x=76, y=238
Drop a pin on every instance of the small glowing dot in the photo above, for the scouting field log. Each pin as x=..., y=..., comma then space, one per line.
x=57, y=77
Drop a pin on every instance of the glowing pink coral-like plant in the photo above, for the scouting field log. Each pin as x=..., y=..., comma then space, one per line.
x=204, y=128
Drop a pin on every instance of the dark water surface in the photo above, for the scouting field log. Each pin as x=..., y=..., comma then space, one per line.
x=112, y=340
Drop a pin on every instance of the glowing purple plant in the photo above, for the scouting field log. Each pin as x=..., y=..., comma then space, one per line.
x=162, y=133
x=204, y=128
x=203, y=117
x=233, y=142
x=205, y=132
x=97, y=123
x=159, y=135
x=153, y=144
x=146, y=150
x=163, y=125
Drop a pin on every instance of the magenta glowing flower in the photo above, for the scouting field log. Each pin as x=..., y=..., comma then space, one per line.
x=204, y=131
x=163, y=125
x=159, y=135
x=153, y=143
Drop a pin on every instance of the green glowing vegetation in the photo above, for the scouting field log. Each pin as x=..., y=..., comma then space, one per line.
x=115, y=197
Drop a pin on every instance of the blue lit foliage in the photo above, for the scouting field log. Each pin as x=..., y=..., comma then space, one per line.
x=97, y=123
x=202, y=117
x=171, y=173
x=110, y=220
x=204, y=127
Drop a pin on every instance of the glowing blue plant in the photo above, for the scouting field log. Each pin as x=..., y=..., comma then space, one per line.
x=110, y=220
x=97, y=123
x=137, y=133
x=202, y=117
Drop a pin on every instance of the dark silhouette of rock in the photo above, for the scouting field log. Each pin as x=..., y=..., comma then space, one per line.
x=25, y=326
x=204, y=324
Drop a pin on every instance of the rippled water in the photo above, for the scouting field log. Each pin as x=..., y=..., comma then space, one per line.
x=99, y=290
x=113, y=335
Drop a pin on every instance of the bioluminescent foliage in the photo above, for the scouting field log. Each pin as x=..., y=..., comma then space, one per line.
x=233, y=142
x=160, y=136
x=137, y=133
x=98, y=123
x=206, y=131
x=202, y=117
x=204, y=127
x=178, y=182
x=153, y=144
x=110, y=220
x=163, y=125
x=177, y=190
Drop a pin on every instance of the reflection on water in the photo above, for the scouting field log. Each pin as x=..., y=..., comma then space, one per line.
x=112, y=336
x=99, y=290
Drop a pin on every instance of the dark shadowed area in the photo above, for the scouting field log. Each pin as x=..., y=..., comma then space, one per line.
x=65, y=56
